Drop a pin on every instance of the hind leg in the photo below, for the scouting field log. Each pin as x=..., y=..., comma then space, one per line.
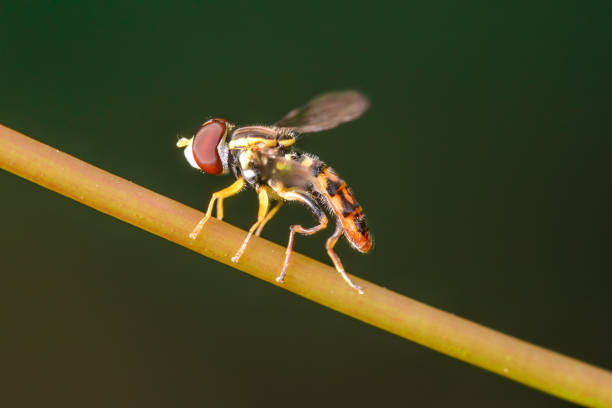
x=319, y=215
x=329, y=245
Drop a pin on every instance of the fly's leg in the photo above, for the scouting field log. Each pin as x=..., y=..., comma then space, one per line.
x=319, y=215
x=301, y=230
x=264, y=202
x=218, y=197
x=329, y=245
x=271, y=214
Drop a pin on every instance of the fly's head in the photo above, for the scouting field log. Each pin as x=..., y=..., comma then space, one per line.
x=208, y=149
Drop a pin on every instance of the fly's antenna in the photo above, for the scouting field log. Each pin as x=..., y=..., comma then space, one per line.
x=181, y=141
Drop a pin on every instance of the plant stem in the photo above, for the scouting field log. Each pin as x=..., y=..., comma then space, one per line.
x=537, y=367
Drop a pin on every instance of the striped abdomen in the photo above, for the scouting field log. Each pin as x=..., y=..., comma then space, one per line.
x=347, y=209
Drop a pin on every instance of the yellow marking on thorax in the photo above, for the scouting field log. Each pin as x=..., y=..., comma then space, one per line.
x=283, y=165
x=245, y=158
x=250, y=141
x=286, y=142
x=307, y=162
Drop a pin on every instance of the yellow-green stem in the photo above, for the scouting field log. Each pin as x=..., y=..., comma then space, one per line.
x=494, y=351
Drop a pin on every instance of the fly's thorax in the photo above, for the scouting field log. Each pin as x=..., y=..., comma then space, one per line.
x=277, y=167
x=249, y=165
x=262, y=136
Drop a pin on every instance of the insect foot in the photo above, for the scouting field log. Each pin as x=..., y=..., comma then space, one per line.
x=240, y=251
x=196, y=231
x=348, y=280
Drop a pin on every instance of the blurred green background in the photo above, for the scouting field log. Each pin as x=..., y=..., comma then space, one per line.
x=483, y=166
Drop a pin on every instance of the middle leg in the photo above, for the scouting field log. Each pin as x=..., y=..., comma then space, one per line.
x=264, y=203
x=271, y=214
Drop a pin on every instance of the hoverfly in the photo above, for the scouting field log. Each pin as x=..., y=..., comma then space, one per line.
x=264, y=158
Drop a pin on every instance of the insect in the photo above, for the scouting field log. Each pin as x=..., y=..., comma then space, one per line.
x=264, y=158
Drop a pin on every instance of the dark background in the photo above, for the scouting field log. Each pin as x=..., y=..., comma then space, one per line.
x=483, y=166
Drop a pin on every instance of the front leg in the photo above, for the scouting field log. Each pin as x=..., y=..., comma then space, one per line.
x=218, y=196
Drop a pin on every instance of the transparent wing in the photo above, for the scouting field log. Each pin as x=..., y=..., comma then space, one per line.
x=326, y=111
x=264, y=132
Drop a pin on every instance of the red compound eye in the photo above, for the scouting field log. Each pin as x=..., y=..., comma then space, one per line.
x=205, y=144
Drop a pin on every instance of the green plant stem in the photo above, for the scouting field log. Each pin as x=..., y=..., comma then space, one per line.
x=494, y=351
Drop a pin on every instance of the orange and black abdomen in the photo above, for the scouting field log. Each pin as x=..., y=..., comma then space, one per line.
x=347, y=209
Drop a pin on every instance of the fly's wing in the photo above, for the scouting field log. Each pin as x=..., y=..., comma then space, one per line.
x=286, y=170
x=325, y=112
x=263, y=132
